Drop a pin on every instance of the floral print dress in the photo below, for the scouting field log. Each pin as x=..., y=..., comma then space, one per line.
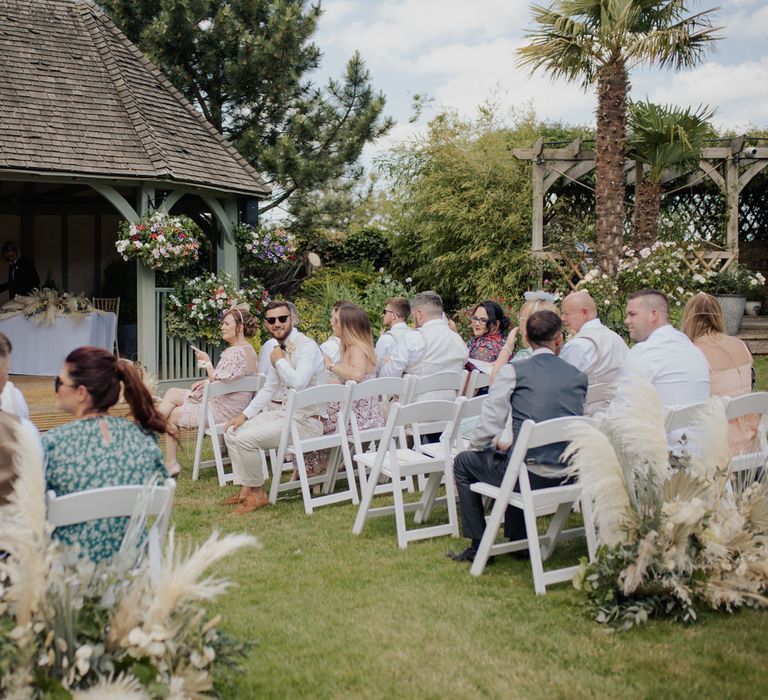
x=235, y=362
x=78, y=457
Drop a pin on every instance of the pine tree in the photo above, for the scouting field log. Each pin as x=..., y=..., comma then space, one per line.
x=244, y=64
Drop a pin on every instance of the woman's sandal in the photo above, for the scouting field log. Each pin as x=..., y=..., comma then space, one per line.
x=174, y=470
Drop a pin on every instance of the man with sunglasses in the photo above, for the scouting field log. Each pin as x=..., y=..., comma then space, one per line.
x=271, y=344
x=295, y=363
x=394, y=317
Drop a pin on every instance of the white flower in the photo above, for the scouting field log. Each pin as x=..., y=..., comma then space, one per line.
x=645, y=252
x=408, y=280
x=698, y=279
x=656, y=271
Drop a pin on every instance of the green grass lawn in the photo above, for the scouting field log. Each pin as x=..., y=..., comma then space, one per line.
x=340, y=616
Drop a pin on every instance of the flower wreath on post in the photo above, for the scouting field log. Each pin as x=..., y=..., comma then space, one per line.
x=161, y=242
x=196, y=307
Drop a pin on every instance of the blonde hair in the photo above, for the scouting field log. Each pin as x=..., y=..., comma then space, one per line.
x=355, y=329
x=531, y=307
x=702, y=315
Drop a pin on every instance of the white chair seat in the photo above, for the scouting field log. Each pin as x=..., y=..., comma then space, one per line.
x=545, y=500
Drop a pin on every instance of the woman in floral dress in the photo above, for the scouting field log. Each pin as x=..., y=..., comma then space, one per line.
x=357, y=363
x=182, y=407
x=489, y=326
x=97, y=450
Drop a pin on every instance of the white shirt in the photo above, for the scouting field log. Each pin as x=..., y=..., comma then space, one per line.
x=386, y=344
x=283, y=375
x=407, y=346
x=677, y=369
x=332, y=348
x=597, y=351
x=12, y=401
x=266, y=350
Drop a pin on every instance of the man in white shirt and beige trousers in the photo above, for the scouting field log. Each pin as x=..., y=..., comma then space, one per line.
x=296, y=363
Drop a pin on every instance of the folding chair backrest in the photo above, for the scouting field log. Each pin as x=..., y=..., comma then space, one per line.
x=382, y=386
x=600, y=393
x=252, y=384
x=318, y=398
x=424, y=412
x=442, y=381
x=469, y=412
x=110, y=502
x=477, y=380
x=682, y=417
x=107, y=304
x=756, y=402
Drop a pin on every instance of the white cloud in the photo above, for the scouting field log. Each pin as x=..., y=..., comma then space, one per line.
x=739, y=92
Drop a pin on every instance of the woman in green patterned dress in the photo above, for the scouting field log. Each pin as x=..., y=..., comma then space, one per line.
x=97, y=450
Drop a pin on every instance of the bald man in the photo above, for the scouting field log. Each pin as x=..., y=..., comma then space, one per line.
x=593, y=348
x=663, y=355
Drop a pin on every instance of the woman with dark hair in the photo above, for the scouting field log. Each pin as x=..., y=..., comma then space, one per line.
x=730, y=363
x=182, y=406
x=97, y=450
x=489, y=326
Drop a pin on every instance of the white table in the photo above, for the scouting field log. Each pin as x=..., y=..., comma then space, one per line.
x=41, y=350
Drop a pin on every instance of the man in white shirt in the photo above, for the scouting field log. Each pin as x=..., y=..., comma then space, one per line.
x=271, y=344
x=394, y=319
x=593, y=348
x=664, y=356
x=433, y=348
x=295, y=363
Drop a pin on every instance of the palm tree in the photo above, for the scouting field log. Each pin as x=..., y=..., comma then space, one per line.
x=662, y=138
x=598, y=41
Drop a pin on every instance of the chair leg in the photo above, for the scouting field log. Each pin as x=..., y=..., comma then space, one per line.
x=216, y=442
x=554, y=529
x=397, y=493
x=306, y=492
x=198, y=451
x=492, y=526
x=349, y=471
x=365, y=501
x=532, y=533
x=450, y=497
x=589, y=527
x=428, y=498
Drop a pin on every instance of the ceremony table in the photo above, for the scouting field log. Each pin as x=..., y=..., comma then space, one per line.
x=41, y=349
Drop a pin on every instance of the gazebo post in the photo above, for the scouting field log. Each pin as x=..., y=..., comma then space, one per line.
x=146, y=315
x=226, y=252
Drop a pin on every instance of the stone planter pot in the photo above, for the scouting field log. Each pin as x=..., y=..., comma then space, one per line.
x=733, y=310
x=753, y=308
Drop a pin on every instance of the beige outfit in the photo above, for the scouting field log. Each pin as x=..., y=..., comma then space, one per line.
x=301, y=368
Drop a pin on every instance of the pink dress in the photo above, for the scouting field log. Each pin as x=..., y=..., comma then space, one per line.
x=368, y=414
x=235, y=362
x=732, y=381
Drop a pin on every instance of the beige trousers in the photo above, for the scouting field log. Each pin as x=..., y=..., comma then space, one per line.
x=262, y=432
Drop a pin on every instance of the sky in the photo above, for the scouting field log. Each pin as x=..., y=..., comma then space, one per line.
x=462, y=54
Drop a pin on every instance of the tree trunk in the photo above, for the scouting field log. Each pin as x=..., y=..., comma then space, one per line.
x=647, y=207
x=612, y=88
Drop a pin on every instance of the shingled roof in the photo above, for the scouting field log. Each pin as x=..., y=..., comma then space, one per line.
x=76, y=97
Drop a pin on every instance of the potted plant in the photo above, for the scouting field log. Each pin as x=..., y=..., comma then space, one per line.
x=731, y=287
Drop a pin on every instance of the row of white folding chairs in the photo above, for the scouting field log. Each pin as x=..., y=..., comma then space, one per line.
x=406, y=389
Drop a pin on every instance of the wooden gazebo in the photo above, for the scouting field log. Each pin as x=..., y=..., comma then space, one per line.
x=91, y=132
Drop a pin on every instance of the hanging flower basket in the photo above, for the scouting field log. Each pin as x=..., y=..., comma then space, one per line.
x=196, y=307
x=261, y=245
x=161, y=242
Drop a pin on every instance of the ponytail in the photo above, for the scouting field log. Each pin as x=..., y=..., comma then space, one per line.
x=140, y=400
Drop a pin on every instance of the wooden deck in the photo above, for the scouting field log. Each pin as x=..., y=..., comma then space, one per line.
x=38, y=391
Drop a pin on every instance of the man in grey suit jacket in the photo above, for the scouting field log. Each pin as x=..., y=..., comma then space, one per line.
x=539, y=388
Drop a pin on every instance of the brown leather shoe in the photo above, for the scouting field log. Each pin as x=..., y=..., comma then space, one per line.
x=233, y=500
x=251, y=503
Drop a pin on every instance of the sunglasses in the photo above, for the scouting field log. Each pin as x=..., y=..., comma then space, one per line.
x=389, y=311
x=271, y=320
x=477, y=319
x=57, y=384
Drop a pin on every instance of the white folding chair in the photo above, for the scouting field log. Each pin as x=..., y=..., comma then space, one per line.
x=755, y=403
x=442, y=381
x=477, y=380
x=112, y=502
x=535, y=503
x=682, y=417
x=394, y=463
x=291, y=442
x=208, y=426
x=110, y=304
x=366, y=440
x=599, y=397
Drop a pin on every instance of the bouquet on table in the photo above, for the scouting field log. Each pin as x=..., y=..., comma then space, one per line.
x=161, y=242
x=44, y=305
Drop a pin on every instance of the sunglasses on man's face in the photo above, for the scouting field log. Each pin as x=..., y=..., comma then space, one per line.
x=271, y=320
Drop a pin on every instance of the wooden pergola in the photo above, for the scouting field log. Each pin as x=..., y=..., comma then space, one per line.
x=730, y=165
